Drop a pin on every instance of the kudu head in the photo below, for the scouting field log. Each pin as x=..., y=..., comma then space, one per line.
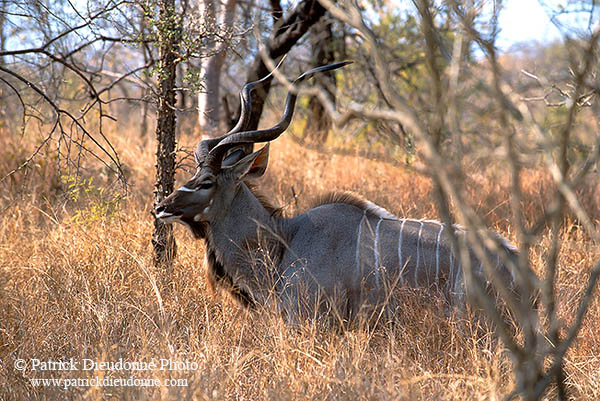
x=224, y=163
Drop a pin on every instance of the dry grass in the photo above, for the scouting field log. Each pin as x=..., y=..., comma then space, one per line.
x=86, y=288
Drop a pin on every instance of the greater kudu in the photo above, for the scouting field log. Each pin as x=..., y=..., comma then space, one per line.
x=346, y=251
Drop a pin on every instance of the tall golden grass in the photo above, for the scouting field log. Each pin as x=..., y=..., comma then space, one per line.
x=77, y=281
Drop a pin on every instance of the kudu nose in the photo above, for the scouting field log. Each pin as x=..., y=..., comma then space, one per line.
x=159, y=209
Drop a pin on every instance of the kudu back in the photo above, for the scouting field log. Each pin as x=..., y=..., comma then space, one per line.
x=346, y=255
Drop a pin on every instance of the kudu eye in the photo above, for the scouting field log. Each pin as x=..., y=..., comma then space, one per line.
x=206, y=185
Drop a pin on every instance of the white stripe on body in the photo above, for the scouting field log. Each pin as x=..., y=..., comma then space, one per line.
x=458, y=271
x=451, y=271
x=376, y=251
x=437, y=256
x=401, y=266
x=418, y=255
x=358, y=244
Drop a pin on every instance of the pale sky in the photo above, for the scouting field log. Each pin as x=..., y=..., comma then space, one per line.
x=525, y=20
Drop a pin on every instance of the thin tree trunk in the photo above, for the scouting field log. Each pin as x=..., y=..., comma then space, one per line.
x=210, y=98
x=210, y=114
x=144, y=93
x=208, y=12
x=163, y=240
x=2, y=34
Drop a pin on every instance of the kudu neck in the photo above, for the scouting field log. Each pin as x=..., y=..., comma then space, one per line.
x=245, y=221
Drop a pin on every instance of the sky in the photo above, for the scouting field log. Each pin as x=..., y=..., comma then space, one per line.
x=525, y=20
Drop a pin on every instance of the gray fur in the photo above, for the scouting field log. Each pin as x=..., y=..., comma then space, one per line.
x=345, y=253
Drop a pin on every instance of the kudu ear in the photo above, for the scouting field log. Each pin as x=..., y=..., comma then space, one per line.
x=252, y=166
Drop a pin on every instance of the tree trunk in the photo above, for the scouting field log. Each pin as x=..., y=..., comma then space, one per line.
x=285, y=35
x=208, y=12
x=145, y=94
x=163, y=240
x=319, y=123
x=210, y=98
x=3, y=9
x=231, y=116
